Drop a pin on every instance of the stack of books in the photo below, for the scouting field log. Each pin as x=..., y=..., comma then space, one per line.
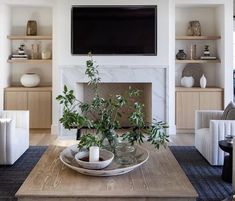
x=208, y=58
x=19, y=57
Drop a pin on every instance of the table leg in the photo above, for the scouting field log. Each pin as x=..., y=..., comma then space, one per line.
x=227, y=169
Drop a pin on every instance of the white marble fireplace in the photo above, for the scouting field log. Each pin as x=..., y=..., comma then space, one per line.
x=154, y=76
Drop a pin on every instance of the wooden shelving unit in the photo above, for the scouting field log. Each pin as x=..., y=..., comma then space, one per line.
x=22, y=37
x=31, y=61
x=196, y=61
x=36, y=99
x=198, y=37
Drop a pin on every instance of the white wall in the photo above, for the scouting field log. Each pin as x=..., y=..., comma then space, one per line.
x=170, y=101
x=225, y=26
x=228, y=48
x=4, y=50
x=21, y=15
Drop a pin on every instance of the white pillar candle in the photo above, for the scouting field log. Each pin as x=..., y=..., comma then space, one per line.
x=94, y=154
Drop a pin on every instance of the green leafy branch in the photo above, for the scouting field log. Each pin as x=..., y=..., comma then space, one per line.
x=104, y=115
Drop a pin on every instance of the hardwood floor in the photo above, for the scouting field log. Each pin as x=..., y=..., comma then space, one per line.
x=182, y=140
x=44, y=138
x=41, y=138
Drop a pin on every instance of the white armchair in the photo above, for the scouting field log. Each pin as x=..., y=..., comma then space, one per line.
x=209, y=130
x=14, y=135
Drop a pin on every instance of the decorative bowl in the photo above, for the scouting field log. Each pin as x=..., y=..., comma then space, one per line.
x=30, y=80
x=105, y=156
x=67, y=157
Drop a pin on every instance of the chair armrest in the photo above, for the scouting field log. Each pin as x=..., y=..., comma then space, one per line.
x=222, y=128
x=21, y=117
x=218, y=130
x=203, y=117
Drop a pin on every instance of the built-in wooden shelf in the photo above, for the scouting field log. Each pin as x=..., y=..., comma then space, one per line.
x=198, y=37
x=21, y=88
x=198, y=89
x=196, y=61
x=22, y=37
x=31, y=61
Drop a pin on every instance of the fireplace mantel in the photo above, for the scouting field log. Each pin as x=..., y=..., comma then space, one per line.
x=74, y=77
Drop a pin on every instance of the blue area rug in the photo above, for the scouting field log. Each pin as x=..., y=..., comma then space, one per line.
x=13, y=176
x=205, y=178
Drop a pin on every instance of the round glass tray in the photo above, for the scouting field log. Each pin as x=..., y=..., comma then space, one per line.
x=67, y=158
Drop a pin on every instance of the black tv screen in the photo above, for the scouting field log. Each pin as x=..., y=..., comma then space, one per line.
x=107, y=30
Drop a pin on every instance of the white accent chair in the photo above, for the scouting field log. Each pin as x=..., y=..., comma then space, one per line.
x=14, y=135
x=209, y=130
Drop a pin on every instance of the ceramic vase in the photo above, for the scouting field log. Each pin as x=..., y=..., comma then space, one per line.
x=203, y=81
x=181, y=55
x=30, y=80
x=31, y=29
x=187, y=81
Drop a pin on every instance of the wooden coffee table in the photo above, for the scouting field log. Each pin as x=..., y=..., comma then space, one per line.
x=160, y=178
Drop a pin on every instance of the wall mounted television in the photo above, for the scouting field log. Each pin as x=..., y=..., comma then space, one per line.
x=114, y=30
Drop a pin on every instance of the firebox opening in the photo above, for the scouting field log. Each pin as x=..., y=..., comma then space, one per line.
x=110, y=89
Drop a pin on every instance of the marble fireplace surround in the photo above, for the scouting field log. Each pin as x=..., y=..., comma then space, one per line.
x=74, y=77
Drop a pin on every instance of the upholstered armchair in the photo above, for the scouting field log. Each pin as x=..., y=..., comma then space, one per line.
x=14, y=135
x=209, y=130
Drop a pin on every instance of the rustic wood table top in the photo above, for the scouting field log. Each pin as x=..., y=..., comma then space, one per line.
x=160, y=178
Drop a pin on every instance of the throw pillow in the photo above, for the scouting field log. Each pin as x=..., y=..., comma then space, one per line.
x=229, y=112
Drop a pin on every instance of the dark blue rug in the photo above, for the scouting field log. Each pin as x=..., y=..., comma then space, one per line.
x=205, y=178
x=13, y=176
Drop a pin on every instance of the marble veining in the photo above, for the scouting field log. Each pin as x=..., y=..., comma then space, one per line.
x=74, y=77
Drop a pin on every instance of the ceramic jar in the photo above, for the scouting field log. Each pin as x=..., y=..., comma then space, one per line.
x=181, y=55
x=31, y=29
x=30, y=80
x=187, y=81
x=46, y=54
x=203, y=81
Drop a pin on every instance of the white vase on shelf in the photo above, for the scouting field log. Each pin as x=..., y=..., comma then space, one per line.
x=30, y=80
x=187, y=81
x=203, y=81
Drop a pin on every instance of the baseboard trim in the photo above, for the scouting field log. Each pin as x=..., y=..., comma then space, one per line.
x=185, y=131
x=55, y=129
x=172, y=130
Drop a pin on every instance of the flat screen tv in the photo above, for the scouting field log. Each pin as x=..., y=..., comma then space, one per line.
x=114, y=30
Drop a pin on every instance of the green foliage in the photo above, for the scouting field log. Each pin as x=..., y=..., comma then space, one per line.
x=103, y=115
x=89, y=140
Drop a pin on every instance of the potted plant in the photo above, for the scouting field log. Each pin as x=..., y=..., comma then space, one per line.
x=102, y=115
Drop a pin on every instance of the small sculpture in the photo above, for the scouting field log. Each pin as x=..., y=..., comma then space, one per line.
x=194, y=28
x=21, y=50
x=206, y=51
x=20, y=53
